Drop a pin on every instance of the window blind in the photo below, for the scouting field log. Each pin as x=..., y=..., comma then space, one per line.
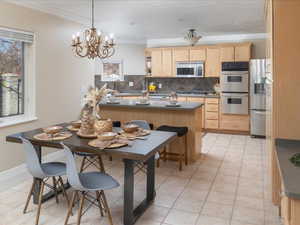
x=16, y=35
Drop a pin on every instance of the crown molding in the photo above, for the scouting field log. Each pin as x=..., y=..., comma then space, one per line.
x=207, y=39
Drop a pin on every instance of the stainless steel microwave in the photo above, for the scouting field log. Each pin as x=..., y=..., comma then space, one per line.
x=190, y=69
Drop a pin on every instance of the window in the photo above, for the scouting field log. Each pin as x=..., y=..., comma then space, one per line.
x=11, y=77
x=17, y=78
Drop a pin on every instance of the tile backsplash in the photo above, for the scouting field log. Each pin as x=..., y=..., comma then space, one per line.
x=141, y=82
x=184, y=84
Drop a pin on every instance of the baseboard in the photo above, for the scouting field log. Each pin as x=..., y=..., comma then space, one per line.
x=21, y=170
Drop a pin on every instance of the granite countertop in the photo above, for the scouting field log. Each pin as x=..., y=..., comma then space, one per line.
x=154, y=104
x=290, y=174
x=196, y=95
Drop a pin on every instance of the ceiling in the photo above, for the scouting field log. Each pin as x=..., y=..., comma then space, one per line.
x=141, y=20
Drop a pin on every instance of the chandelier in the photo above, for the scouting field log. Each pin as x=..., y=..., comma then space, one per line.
x=192, y=37
x=94, y=43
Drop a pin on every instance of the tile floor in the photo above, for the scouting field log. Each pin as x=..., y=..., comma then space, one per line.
x=229, y=186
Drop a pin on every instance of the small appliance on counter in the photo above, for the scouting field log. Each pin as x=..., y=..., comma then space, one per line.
x=258, y=97
x=234, y=83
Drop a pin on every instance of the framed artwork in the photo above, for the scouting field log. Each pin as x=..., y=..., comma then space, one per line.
x=112, y=70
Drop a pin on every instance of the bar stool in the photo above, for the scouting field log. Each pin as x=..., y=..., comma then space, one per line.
x=87, y=182
x=42, y=172
x=183, y=155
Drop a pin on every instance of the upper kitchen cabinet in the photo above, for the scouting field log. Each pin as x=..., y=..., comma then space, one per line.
x=181, y=54
x=242, y=52
x=237, y=52
x=227, y=53
x=167, y=62
x=197, y=54
x=212, y=64
x=156, y=62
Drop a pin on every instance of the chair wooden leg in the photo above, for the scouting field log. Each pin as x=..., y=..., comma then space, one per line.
x=60, y=180
x=99, y=203
x=180, y=162
x=40, y=203
x=55, y=189
x=107, y=208
x=70, y=207
x=82, y=164
x=186, y=150
x=80, y=208
x=101, y=164
x=29, y=196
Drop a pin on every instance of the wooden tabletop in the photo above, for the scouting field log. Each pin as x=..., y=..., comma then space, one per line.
x=139, y=150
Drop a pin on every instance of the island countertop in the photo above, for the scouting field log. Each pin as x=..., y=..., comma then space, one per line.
x=285, y=149
x=124, y=103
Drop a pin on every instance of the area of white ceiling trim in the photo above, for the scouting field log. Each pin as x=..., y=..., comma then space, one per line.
x=206, y=40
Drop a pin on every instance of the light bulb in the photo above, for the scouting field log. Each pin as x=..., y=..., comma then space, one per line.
x=106, y=38
x=111, y=36
x=73, y=37
x=78, y=34
x=99, y=33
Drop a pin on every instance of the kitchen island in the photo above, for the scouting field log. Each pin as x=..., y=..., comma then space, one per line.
x=158, y=113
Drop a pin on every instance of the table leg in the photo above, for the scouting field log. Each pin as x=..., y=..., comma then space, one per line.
x=131, y=215
x=128, y=192
x=151, y=179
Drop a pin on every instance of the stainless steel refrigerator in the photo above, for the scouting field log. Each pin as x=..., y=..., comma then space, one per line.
x=258, y=97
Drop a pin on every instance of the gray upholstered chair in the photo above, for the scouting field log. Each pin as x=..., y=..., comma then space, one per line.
x=86, y=182
x=42, y=172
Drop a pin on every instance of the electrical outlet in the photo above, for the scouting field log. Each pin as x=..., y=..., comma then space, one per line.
x=131, y=84
x=160, y=85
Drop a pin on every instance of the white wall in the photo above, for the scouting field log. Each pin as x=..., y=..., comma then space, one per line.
x=60, y=74
x=133, y=58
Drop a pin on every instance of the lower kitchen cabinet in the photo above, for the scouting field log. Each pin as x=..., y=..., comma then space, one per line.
x=234, y=122
x=212, y=113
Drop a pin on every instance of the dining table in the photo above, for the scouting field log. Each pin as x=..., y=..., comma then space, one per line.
x=139, y=151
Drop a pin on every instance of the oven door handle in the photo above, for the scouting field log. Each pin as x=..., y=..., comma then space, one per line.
x=234, y=95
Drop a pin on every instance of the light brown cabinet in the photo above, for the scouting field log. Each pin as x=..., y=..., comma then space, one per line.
x=167, y=62
x=181, y=54
x=198, y=54
x=235, y=122
x=227, y=54
x=212, y=113
x=156, y=62
x=163, y=60
x=200, y=100
x=242, y=53
x=212, y=64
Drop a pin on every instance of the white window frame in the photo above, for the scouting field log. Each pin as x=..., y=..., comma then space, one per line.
x=29, y=90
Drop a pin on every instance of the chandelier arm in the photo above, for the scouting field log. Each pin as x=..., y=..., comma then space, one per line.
x=79, y=51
